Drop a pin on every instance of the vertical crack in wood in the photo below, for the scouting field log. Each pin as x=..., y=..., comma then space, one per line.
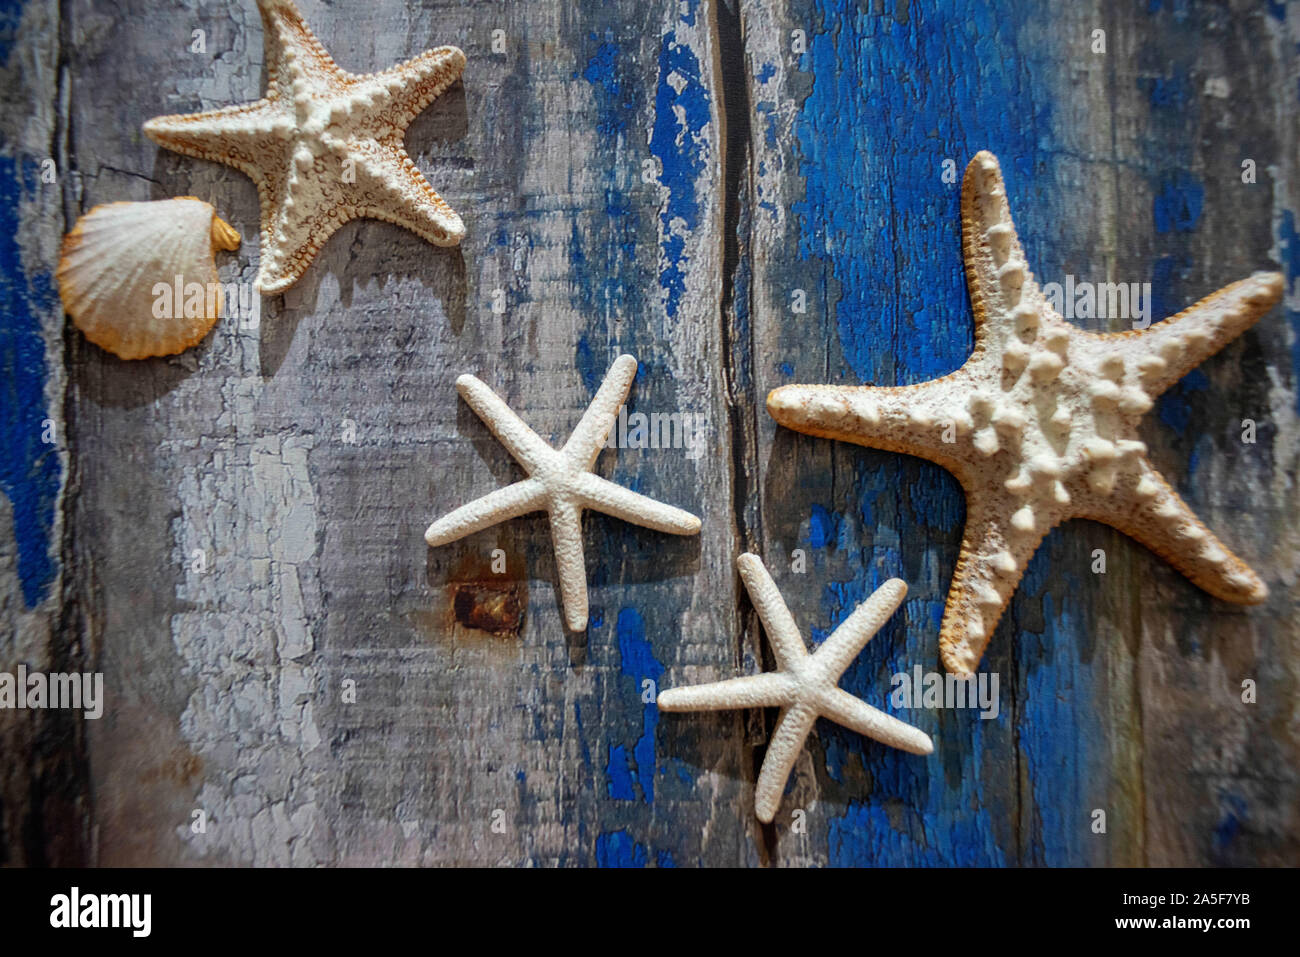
x=737, y=339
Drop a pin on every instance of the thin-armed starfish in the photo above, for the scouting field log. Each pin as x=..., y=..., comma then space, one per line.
x=805, y=687
x=559, y=483
x=323, y=146
x=1040, y=424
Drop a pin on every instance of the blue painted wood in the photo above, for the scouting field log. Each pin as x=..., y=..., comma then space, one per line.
x=31, y=474
x=662, y=178
x=855, y=211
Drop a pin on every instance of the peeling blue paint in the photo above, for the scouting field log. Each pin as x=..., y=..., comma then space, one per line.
x=602, y=72
x=1166, y=275
x=1178, y=200
x=603, y=262
x=682, y=113
x=767, y=111
x=30, y=471
x=617, y=849
x=1174, y=407
x=890, y=102
x=1178, y=203
x=1289, y=241
x=589, y=367
x=823, y=527
x=1061, y=741
x=11, y=15
x=908, y=819
x=639, y=663
x=865, y=835
x=619, y=775
x=1163, y=91
x=1229, y=825
x=870, y=149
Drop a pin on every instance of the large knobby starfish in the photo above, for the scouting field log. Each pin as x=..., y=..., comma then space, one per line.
x=323, y=146
x=805, y=687
x=560, y=483
x=1040, y=424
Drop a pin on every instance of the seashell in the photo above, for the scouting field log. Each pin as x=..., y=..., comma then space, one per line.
x=139, y=279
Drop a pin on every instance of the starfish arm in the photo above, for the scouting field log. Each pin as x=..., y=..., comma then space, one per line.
x=854, y=632
x=782, y=633
x=855, y=714
x=233, y=135
x=1146, y=509
x=1180, y=343
x=997, y=271
x=323, y=147
x=511, y=431
x=296, y=235
x=771, y=690
x=570, y=564
x=292, y=50
x=389, y=187
x=912, y=419
x=999, y=540
x=585, y=443
x=392, y=98
x=782, y=751
x=603, y=495
x=242, y=136
x=492, y=509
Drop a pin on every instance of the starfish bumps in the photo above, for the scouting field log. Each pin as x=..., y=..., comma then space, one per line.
x=323, y=146
x=559, y=483
x=1040, y=424
x=805, y=686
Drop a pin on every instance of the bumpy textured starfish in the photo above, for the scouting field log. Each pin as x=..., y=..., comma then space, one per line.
x=805, y=687
x=1040, y=424
x=323, y=146
x=560, y=483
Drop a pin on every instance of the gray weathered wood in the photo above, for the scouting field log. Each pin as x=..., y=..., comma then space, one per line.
x=240, y=527
x=229, y=680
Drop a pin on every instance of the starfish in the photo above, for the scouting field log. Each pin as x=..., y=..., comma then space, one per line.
x=805, y=687
x=560, y=483
x=1040, y=424
x=323, y=146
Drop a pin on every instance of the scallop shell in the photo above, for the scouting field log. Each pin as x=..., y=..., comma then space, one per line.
x=121, y=266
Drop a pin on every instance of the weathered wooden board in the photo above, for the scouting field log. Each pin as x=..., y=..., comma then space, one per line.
x=1119, y=692
x=233, y=536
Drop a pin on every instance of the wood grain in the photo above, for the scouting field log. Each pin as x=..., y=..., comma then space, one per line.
x=1121, y=167
x=239, y=529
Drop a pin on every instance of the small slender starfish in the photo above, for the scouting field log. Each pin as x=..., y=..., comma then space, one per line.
x=323, y=146
x=560, y=483
x=1040, y=424
x=805, y=687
